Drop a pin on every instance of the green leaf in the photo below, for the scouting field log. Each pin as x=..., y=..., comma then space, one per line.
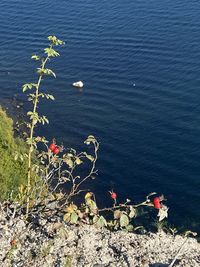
x=27, y=86
x=69, y=162
x=101, y=222
x=50, y=72
x=78, y=161
x=124, y=220
x=16, y=155
x=92, y=205
x=35, y=57
x=90, y=139
x=66, y=217
x=90, y=157
x=48, y=96
x=45, y=119
x=130, y=228
x=95, y=219
x=29, y=113
x=132, y=213
x=55, y=41
x=74, y=218
x=51, y=52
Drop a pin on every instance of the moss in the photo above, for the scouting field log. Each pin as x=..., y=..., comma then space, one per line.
x=12, y=172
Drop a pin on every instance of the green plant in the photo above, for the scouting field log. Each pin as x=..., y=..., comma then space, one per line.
x=34, y=95
x=123, y=213
x=57, y=176
x=13, y=166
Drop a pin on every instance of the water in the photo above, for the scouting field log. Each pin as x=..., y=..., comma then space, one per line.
x=139, y=61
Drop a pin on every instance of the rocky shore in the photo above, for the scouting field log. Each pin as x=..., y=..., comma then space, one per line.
x=48, y=241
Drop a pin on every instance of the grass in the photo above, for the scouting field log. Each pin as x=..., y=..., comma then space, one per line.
x=13, y=172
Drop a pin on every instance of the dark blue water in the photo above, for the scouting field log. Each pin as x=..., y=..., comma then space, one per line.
x=140, y=64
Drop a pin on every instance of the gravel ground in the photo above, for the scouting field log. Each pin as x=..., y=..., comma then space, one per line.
x=50, y=242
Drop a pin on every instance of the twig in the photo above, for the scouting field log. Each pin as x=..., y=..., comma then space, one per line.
x=125, y=206
x=178, y=253
x=180, y=249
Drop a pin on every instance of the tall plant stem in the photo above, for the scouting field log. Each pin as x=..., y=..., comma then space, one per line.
x=31, y=137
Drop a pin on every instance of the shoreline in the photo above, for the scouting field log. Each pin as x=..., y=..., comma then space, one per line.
x=48, y=241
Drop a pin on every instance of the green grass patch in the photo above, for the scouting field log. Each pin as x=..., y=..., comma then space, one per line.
x=13, y=172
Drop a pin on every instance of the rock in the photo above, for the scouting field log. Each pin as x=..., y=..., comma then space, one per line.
x=78, y=84
x=54, y=243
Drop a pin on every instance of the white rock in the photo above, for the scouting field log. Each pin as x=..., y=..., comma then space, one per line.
x=78, y=84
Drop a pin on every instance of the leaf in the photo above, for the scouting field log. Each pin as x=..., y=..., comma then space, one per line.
x=27, y=86
x=48, y=72
x=163, y=213
x=55, y=41
x=101, y=222
x=132, y=213
x=95, y=219
x=59, y=196
x=88, y=195
x=21, y=158
x=71, y=208
x=69, y=162
x=92, y=205
x=117, y=214
x=49, y=97
x=35, y=57
x=130, y=228
x=90, y=139
x=91, y=158
x=74, y=218
x=124, y=220
x=70, y=155
x=16, y=155
x=66, y=217
x=51, y=52
x=78, y=161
